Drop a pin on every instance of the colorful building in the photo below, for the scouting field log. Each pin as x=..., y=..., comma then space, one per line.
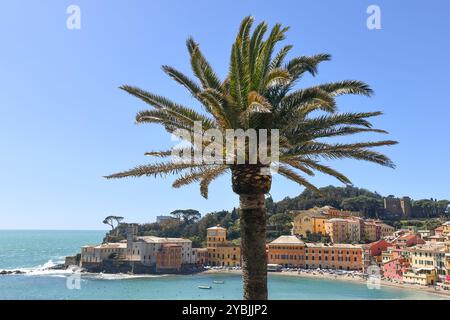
x=308, y=221
x=95, y=254
x=168, y=258
x=396, y=268
x=343, y=230
x=370, y=232
x=422, y=276
x=384, y=230
x=372, y=252
x=429, y=256
x=220, y=251
x=199, y=256
x=408, y=241
x=290, y=251
x=336, y=256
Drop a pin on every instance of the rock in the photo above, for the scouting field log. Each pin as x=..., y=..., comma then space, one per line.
x=61, y=266
x=5, y=272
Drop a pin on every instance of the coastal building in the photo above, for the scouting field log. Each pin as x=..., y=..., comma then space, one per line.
x=95, y=254
x=308, y=221
x=336, y=256
x=199, y=256
x=145, y=248
x=384, y=230
x=372, y=252
x=422, y=276
x=370, y=233
x=290, y=251
x=429, y=256
x=138, y=254
x=168, y=258
x=395, y=268
x=220, y=251
x=343, y=230
x=408, y=241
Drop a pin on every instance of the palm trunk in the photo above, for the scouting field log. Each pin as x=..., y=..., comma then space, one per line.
x=253, y=246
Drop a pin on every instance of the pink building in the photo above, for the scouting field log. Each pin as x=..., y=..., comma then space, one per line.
x=394, y=269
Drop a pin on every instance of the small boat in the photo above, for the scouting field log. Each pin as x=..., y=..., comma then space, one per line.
x=204, y=287
x=219, y=281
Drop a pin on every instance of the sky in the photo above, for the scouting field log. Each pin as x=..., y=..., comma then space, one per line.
x=64, y=123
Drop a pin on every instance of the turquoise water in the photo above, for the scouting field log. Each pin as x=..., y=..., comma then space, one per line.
x=31, y=250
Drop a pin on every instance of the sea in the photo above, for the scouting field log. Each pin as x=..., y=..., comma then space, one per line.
x=33, y=251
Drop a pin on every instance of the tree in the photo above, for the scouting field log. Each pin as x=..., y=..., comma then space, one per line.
x=369, y=206
x=258, y=93
x=109, y=220
x=189, y=216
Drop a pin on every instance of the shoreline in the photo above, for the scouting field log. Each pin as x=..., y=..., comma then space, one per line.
x=348, y=278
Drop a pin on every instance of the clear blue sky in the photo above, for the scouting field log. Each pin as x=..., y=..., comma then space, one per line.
x=64, y=123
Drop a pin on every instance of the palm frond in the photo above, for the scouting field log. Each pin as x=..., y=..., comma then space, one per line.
x=158, y=169
x=182, y=79
x=347, y=87
x=326, y=169
x=292, y=175
x=208, y=178
x=201, y=67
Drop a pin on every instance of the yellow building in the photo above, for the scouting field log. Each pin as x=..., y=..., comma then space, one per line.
x=307, y=222
x=428, y=263
x=422, y=276
x=220, y=251
x=370, y=232
x=446, y=229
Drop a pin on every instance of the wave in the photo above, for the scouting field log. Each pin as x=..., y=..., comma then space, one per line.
x=44, y=269
x=121, y=276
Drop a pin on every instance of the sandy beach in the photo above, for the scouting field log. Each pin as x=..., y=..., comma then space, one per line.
x=346, y=277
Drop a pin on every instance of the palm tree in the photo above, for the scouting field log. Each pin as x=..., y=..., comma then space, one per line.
x=259, y=93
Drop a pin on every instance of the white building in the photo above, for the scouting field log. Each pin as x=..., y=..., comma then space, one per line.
x=145, y=248
x=139, y=249
x=97, y=253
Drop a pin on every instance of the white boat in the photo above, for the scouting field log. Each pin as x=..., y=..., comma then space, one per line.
x=204, y=287
x=219, y=281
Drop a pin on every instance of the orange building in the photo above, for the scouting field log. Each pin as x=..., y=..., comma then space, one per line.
x=336, y=256
x=168, y=258
x=290, y=251
x=287, y=251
